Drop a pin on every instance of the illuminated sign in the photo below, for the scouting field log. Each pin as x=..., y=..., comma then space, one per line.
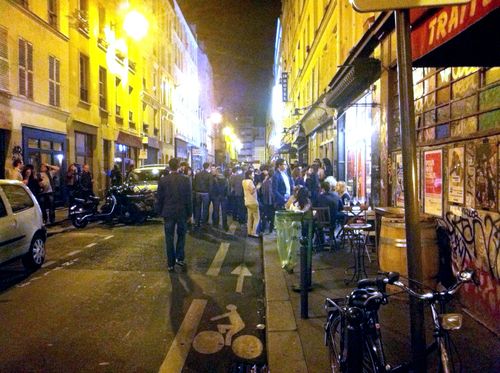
x=381, y=5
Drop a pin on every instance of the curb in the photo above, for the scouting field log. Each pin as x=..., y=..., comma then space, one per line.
x=284, y=347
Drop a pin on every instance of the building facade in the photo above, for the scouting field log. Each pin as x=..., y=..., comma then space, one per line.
x=101, y=83
x=341, y=102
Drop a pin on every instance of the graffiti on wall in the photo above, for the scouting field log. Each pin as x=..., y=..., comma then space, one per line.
x=475, y=242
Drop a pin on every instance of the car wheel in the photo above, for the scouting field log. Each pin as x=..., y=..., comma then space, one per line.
x=35, y=257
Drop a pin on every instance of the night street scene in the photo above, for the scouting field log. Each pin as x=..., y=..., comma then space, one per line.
x=249, y=186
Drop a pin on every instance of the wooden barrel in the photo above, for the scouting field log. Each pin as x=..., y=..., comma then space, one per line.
x=392, y=249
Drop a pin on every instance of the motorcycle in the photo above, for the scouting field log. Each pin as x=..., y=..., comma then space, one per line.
x=122, y=203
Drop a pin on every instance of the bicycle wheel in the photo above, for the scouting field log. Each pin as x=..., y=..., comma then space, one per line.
x=334, y=341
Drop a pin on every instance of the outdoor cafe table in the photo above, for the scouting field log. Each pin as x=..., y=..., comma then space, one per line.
x=357, y=240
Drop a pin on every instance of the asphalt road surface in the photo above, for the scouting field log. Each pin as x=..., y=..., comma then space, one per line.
x=104, y=302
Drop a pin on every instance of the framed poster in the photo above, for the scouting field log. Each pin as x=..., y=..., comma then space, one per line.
x=486, y=176
x=399, y=195
x=456, y=175
x=433, y=182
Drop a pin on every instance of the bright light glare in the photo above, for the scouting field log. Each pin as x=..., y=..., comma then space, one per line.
x=227, y=131
x=216, y=117
x=155, y=171
x=60, y=157
x=135, y=25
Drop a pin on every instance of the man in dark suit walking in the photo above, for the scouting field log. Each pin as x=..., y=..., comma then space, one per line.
x=282, y=185
x=176, y=207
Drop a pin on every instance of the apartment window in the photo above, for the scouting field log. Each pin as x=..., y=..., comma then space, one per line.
x=25, y=69
x=4, y=59
x=103, y=93
x=54, y=82
x=52, y=12
x=23, y=3
x=84, y=78
x=102, y=19
x=118, y=108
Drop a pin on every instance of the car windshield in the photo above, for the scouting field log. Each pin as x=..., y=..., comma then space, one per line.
x=144, y=176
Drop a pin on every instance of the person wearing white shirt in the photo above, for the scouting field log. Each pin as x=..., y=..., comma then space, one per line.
x=251, y=203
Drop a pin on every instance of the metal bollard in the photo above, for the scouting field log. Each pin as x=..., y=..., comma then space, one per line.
x=306, y=271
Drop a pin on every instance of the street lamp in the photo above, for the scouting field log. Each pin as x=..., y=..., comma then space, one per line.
x=135, y=25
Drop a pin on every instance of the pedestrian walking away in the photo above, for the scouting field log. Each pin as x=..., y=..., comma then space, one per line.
x=202, y=183
x=174, y=204
x=251, y=203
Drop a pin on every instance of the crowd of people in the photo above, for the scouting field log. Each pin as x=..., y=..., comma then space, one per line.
x=43, y=185
x=251, y=195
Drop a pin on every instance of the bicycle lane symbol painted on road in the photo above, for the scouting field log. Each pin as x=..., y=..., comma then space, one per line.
x=244, y=346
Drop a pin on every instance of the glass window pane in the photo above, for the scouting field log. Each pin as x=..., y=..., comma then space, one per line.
x=418, y=90
x=489, y=120
x=429, y=118
x=80, y=143
x=419, y=105
x=443, y=113
x=45, y=158
x=463, y=107
x=464, y=127
x=57, y=146
x=466, y=86
x=492, y=75
x=429, y=134
x=429, y=101
x=45, y=145
x=489, y=98
x=443, y=77
x=430, y=84
x=18, y=198
x=33, y=143
x=443, y=95
x=442, y=131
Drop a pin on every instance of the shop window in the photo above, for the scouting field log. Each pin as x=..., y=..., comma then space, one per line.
x=465, y=86
x=83, y=148
x=45, y=145
x=57, y=146
x=33, y=143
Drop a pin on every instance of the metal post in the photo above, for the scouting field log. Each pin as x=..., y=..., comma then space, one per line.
x=412, y=218
x=304, y=301
x=309, y=253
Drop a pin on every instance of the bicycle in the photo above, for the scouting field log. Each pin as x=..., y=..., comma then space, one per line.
x=353, y=333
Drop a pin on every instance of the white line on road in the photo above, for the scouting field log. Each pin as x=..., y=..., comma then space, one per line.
x=232, y=228
x=91, y=245
x=177, y=354
x=48, y=264
x=108, y=237
x=74, y=253
x=218, y=260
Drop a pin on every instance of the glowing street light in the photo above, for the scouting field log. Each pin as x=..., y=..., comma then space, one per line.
x=216, y=117
x=135, y=25
x=227, y=131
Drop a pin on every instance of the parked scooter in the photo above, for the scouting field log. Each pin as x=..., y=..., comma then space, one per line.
x=121, y=203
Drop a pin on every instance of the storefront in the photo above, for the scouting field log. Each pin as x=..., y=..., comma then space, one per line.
x=182, y=150
x=127, y=148
x=40, y=147
x=152, y=147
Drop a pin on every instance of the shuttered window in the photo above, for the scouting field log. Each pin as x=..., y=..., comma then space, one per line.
x=54, y=82
x=25, y=69
x=84, y=78
x=52, y=12
x=103, y=88
x=4, y=60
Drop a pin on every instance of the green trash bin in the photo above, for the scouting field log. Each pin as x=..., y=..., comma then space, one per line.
x=288, y=230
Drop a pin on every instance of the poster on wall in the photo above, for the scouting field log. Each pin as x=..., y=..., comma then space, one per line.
x=486, y=176
x=399, y=195
x=433, y=182
x=456, y=175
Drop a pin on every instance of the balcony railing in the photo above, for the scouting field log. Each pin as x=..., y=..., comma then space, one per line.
x=118, y=111
x=82, y=21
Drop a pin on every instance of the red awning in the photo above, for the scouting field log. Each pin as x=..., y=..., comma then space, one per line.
x=128, y=139
x=438, y=28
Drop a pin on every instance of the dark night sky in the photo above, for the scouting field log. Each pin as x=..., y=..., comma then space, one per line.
x=239, y=39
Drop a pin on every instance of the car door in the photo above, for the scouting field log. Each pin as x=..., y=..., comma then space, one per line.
x=24, y=216
x=9, y=235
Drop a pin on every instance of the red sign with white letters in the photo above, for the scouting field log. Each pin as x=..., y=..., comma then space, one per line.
x=446, y=23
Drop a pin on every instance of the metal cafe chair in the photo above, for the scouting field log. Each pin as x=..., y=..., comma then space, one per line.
x=324, y=223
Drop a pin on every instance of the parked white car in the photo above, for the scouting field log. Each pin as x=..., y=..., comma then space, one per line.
x=22, y=233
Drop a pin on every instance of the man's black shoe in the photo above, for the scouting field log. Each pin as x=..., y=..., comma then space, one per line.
x=171, y=269
x=180, y=263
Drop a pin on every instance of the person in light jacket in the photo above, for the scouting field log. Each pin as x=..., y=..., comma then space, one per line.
x=251, y=203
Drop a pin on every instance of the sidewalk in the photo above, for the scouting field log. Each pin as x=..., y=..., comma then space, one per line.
x=295, y=345
x=62, y=223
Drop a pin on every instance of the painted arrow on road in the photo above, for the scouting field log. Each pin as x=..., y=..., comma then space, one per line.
x=241, y=271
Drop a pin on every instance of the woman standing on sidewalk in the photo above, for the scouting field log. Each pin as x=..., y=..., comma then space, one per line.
x=251, y=203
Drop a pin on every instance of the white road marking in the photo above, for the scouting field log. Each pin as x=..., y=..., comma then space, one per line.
x=73, y=253
x=23, y=285
x=108, y=237
x=177, y=354
x=91, y=245
x=218, y=259
x=232, y=228
x=48, y=264
x=241, y=271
